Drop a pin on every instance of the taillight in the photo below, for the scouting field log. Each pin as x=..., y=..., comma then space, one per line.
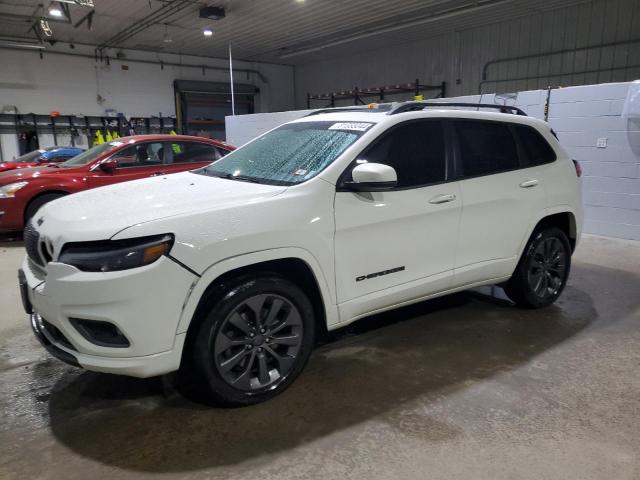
x=576, y=164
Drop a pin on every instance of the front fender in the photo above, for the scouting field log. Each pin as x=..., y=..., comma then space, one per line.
x=213, y=272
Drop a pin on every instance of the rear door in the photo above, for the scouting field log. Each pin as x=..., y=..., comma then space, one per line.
x=140, y=160
x=185, y=155
x=501, y=199
x=398, y=245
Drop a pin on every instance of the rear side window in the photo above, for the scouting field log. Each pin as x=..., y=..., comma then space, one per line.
x=415, y=150
x=537, y=150
x=190, y=152
x=486, y=147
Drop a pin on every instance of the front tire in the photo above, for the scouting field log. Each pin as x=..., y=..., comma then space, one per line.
x=542, y=271
x=253, y=341
x=37, y=203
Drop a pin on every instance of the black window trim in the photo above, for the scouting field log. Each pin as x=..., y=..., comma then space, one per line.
x=448, y=152
x=459, y=169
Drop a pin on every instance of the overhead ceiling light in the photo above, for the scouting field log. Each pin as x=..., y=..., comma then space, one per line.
x=207, y=32
x=55, y=11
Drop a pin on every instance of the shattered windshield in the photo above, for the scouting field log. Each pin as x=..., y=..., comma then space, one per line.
x=290, y=154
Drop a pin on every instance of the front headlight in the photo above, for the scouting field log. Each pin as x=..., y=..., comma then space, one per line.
x=10, y=190
x=113, y=255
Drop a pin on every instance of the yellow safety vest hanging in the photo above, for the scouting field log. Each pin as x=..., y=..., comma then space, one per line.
x=108, y=136
x=174, y=146
x=98, y=139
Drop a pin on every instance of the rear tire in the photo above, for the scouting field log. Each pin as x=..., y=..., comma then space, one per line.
x=37, y=203
x=253, y=340
x=542, y=271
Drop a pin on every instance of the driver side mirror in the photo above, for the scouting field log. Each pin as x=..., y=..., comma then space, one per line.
x=372, y=177
x=109, y=166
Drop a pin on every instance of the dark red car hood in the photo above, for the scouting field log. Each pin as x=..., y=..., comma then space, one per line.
x=4, y=166
x=21, y=174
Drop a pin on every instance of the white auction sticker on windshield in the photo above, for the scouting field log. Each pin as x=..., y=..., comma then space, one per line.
x=357, y=126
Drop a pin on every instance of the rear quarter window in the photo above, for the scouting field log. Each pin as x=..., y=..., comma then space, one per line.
x=536, y=149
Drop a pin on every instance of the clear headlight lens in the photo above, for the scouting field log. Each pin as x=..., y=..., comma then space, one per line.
x=8, y=191
x=113, y=255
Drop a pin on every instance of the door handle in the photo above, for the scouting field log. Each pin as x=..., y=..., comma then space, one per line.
x=529, y=183
x=447, y=197
x=157, y=174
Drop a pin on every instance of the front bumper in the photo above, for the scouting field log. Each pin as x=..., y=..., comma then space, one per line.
x=144, y=303
x=11, y=215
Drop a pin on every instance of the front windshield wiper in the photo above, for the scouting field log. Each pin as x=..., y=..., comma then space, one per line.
x=231, y=176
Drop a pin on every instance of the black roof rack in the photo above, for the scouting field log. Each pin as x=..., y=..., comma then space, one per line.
x=380, y=107
x=416, y=106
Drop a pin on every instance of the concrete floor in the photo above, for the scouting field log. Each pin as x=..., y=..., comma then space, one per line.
x=465, y=387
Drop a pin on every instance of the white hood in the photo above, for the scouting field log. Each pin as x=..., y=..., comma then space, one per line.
x=100, y=213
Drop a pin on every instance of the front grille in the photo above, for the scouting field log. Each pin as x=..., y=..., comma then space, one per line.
x=31, y=243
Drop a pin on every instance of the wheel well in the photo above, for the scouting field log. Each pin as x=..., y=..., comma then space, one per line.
x=42, y=194
x=565, y=221
x=294, y=269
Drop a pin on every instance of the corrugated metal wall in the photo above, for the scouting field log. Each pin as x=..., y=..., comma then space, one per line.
x=460, y=57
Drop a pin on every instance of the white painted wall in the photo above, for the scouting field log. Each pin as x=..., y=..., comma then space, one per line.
x=71, y=84
x=580, y=116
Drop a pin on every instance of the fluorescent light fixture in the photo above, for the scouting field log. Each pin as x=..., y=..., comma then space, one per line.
x=82, y=3
x=166, y=38
x=16, y=42
x=45, y=28
x=207, y=32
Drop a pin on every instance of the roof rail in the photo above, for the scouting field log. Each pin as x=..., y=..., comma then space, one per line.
x=379, y=107
x=415, y=106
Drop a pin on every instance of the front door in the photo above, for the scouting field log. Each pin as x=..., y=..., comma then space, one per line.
x=140, y=160
x=398, y=245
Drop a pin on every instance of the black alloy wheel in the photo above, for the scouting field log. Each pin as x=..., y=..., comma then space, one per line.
x=547, y=268
x=258, y=342
x=252, y=337
x=542, y=271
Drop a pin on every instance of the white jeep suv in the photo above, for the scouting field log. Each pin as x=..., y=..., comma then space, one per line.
x=228, y=272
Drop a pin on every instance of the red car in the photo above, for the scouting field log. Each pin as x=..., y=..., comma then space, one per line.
x=24, y=191
x=41, y=157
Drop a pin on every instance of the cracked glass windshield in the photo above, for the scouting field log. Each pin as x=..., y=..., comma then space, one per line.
x=290, y=154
